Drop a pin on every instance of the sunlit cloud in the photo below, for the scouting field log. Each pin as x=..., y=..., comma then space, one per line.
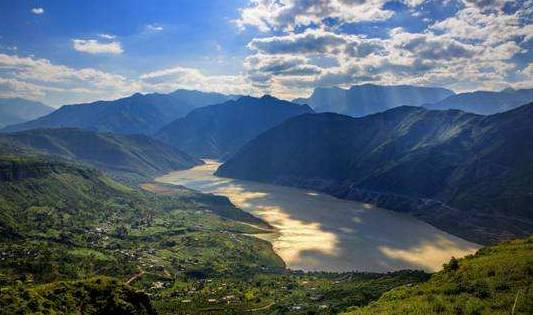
x=169, y=79
x=93, y=46
x=471, y=49
x=37, y=11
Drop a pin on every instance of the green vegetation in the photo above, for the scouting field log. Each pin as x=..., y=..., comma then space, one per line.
x=134, y=158
x=99, y=295
x=281, y=293
x=73, y=241
x=496, y=280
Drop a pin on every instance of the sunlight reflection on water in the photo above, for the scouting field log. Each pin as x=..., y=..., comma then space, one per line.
x=319, y=232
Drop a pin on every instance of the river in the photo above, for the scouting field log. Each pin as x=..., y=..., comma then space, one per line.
x=318, y=232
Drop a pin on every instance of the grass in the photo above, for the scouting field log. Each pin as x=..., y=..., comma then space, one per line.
x=496, y=280
x=73, y=241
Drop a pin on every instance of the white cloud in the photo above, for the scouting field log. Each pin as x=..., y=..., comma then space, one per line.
x=169, y=79
x=93, y=46
x=107, y=36
x=37, y=11
x=472, y=49
x=267, y=15
x=154, y=28
x=36, y=78
x=40, y=79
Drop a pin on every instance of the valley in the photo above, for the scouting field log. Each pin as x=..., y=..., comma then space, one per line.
x=317, y=232
x=266, y=157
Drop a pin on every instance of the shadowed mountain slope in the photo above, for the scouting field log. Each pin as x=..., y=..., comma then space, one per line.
x=217, y=131
x=468, y=174
x=485, y=102
x=129, y=154
x=18, y=110
x=136, y=114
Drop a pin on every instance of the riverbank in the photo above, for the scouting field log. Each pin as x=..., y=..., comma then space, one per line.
x=318, y=232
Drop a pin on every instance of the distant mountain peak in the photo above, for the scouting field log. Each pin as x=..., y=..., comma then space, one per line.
x=365, y=99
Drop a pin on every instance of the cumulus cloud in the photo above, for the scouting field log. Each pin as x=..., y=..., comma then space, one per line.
x=37, y=78
x=169, y=79
x=93, y=46
x=33, y=78
x=298, y=48
x=37, y=11
x=473, y=48
x=267, y=15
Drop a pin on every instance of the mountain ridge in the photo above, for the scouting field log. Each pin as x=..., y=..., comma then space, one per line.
x=453, y=169
x=18, y=110
x=366, y=99
x=137, y=155
x=485, y=102
x=217, y=131
x=138, y=113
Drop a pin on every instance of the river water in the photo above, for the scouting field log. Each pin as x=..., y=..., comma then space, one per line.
x=316, y=231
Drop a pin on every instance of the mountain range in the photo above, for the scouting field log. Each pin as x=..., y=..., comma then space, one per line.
x=134, y=155
x=366, y=99
x=18, y=110
x=217, y=131
x=136, y=114
x=485, y=102
x=468, y=174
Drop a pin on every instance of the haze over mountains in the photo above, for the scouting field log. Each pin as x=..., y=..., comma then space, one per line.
x=217, y=131
x=18, y=110
x=361, y=100
x=465, y=173
x=136, y=114
x=485, y=102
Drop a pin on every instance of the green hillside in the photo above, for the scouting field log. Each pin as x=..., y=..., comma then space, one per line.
x=128, y=156
x=496, y=280
x=63, y=227
x=99, y=295
x=64, y=222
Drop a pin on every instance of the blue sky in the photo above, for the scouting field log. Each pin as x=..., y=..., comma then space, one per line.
x=62, y=52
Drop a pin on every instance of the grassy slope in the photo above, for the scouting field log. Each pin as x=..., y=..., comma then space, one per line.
x=62, y=222
x=98, y=295
x=130, y=156
x=490, y=282
x=64, y=225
